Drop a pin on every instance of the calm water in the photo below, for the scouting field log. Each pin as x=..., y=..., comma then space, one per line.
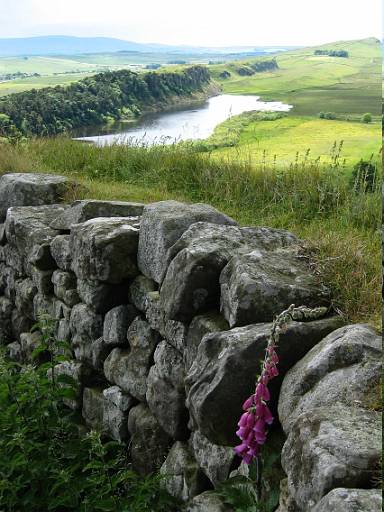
x=197, y=122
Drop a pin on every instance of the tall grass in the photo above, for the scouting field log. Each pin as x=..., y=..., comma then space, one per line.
x=317, y=201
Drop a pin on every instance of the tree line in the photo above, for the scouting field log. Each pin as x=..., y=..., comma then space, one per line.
x=94, y=100
x=333, y=53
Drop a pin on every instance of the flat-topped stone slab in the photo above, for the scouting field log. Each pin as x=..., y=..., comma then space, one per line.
x=25, y=189
x=81, y=211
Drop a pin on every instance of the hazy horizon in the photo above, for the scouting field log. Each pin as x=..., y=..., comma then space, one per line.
x=278, y=23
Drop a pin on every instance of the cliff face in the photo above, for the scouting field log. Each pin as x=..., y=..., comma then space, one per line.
x=168, y=308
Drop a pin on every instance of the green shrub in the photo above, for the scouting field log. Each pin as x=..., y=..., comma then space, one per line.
x=364, y=176
x=45, y=465
x=367, y=118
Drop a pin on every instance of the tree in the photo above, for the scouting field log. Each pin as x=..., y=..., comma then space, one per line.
x=367, y=118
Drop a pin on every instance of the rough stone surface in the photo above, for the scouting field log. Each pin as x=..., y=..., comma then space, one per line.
x=329, y=447
x=104, y=249
x=343, y=368
x=216, y=461
x=83, y=210
x=99, y=296
x=80, y=374
x=165, y=391
x=41, y=257
x=86, y=327
x=149, y=443
x=200, y=326
x=29, y=341
x=162, y=225
x=184, y=478
x=259, y=285
x=208, y=501
x=116, y=323
x=139, y=290
x=25, y=292
x=64, y=287
x=115, y=413
x=195, y=261
x=61, y=251
x=286, y=502
x=93, y=407
x=129, y=368
x=223, y=373
x=31, y=190
x=351, y=500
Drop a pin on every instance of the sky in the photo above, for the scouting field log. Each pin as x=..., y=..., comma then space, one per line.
x=196, y=22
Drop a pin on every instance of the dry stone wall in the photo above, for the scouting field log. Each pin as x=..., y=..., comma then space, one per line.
x=168, y=308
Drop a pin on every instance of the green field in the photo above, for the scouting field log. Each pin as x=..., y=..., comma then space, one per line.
x=317, y=83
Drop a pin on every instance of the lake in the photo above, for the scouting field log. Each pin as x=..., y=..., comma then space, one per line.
x=197, y=122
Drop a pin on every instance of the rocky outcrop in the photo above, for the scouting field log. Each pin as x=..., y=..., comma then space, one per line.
x=166, y=309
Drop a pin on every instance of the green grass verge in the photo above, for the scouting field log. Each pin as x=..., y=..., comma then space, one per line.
x=314, y=200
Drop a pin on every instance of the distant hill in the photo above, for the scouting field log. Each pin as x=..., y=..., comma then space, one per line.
x=69, y=45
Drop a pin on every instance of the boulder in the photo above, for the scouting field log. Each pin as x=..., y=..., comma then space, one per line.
x=184, y=479
x=104, y=249
x=25, y=292
x=257, y=286
x=351, y=500
x=31, y=190
x=216, y=461
x=61, y=251
x=330, y=447
x=41, y=257
x=223, y=374
x=64, y=287
x=42, y=279
x=208, y=501
x=3, y=238
x=6, y=308
x=115, y=413
x=343, y=368
x=165, y=391
x=83, y=210
x=42, y=306
x=13, y=351
x=129, y=368
x=200, y=326
x=149, y=443
x=162, y=225
x=86, y=327
x=116, y=323
x=93, y=407
x=27, y=227
x=195, y=261
x=139, y=290
x=29, y=342
x=100, y=296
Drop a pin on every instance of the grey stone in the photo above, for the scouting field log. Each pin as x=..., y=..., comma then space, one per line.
x=14, y=351
x=86, y=327
x=25, y=292
x=184, y=478
x=30, y=341
x=3, y=238
x=116, y=323
x=154, y=313
x=330, y=447
x=162, y=225
x=64, y=287
x=351, y=500
x=286, y=502
x=6, y=308
x=42, y=306
x=343, y=368
x=115, y=414
x=63, y=330
x=27, y=227
x=41, y=257
x=42, y=279
x=165, y=391
x=259, y=285
x=208, y=501
x=139, y=290
x=14, y=259
x=149, y=443
x=195, y=261
x=176, y=334
x=20, y=323
x=216, y=461
x=93, y=407
x=31, y=190
x=101, y=297
x=200, y=326
x=129, y=368
x=83, y=210
x=105, y=249
x=61, y=251
x=223, y=374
